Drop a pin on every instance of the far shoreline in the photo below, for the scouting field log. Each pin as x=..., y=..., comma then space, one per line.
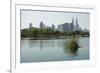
x=51, y=38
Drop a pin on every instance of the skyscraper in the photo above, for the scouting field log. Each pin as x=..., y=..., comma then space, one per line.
x=65, y=27
x=72, y=20
x=71, y=26
x=77, y=25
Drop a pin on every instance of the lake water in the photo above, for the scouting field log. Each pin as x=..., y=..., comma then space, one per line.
x=52, y=50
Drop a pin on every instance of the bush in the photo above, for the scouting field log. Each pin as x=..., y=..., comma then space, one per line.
x=71, y=46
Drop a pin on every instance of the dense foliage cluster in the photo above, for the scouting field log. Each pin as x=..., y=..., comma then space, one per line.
x=71, y=46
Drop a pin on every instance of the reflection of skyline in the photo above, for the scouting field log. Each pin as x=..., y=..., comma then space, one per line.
x=55, y=18
x=43, y=45
x=52, y=50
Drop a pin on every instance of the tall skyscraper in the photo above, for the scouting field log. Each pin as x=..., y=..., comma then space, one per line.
x=71, y=26
x=73, y=21
x=77, y=25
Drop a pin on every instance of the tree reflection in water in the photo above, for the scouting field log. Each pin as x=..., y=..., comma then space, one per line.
x=71, y=52
x=71, y=47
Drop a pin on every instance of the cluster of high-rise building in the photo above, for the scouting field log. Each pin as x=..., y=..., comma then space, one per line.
x=65, y=27
x=69, y=27
x=43, y=26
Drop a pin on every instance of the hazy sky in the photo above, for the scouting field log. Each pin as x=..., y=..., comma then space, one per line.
x=49, y=18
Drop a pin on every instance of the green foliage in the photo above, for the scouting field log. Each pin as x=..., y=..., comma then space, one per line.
x=26, y=33
x=48, y=32
x=36, y=32
x=71, y=46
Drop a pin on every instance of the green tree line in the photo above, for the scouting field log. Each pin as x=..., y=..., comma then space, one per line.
x=48, y=32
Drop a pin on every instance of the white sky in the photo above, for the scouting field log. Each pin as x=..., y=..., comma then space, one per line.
x=49, y=18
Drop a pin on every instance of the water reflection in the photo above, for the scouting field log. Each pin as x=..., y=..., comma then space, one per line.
x=32, y=43
x=53, y=50
x=70, y=51
x=41, y=44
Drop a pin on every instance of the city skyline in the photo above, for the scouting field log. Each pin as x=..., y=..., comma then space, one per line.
x=53, y=18
x=65, y=27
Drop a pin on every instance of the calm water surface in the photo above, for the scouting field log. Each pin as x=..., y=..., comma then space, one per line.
x=52, y=50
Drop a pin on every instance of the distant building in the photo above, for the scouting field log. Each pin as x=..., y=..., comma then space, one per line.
x=77, y=25
x=63, y=27
x=53, y=27
x=60, y=28
x=41, y=25
x=71, y=26
x=67, y=27
x=30, y=25
x=74, y=27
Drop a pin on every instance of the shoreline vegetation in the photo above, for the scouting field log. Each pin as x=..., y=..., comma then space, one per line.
x=48, y=33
